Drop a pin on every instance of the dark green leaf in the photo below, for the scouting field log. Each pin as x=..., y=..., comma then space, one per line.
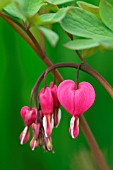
x=89, y=7
x=106, y=13
x=57, y=2
x=80, y=44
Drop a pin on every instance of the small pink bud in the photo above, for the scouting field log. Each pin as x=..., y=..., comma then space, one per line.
x=74, y=127
x=24, y=136
x=76, y=101
x=46, y=101
x=29, y=116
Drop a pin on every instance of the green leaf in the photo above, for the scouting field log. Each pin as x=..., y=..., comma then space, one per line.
x=24, y=8
x=3, y=3
x=107, y=43
x=89, y=52
x=54, y=17
x=89, y=7
x=106, y=13
x=13, y=10
x=84, y=24
x=80, y=44
x=58, y=2
x=50, y=35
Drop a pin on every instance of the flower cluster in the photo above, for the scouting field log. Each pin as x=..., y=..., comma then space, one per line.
x=42, y=120
x=75, y=99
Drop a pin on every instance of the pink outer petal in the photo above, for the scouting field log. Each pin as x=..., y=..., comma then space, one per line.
x=65, y=95
x=46, y=101
x=23, y=111
x=36, y=130
x=76, y=102
x=30, y=117
x=53, y=88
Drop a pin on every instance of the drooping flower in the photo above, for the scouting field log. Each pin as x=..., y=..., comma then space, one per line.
x=37, y=133
x=46, y=102
x=35, y=142
x=29, y=116
x=56, y=105
x=75, y=101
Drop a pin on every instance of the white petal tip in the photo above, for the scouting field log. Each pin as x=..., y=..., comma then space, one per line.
x=59, y=117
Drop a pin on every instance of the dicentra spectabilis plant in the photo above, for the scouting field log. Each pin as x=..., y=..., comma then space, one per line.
x=89, y=28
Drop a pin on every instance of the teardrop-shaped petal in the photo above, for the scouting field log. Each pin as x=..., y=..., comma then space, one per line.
x=76, y=101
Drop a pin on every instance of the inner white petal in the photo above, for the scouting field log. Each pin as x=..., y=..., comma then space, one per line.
x=59, y=117
x=34, y=145
x=72, y=126
x=52, y=122
x=45, y=125
x=24, y=134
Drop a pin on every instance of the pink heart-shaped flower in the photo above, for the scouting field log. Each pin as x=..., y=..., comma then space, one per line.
x=76, y=101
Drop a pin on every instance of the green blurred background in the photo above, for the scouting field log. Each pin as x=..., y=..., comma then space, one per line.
x=19, y=69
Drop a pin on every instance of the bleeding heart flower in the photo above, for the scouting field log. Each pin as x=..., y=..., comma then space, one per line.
x=29, y=116
x=35, y=140
x=56, y=105
x=46, y=102
x=75, y=101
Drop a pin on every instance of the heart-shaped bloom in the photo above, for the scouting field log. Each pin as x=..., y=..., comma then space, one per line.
x=56, y=105
x=46, y=102
x=75, y=101
x=28, y=115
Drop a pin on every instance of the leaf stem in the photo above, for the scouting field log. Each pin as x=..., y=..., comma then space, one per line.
x=31, y=41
